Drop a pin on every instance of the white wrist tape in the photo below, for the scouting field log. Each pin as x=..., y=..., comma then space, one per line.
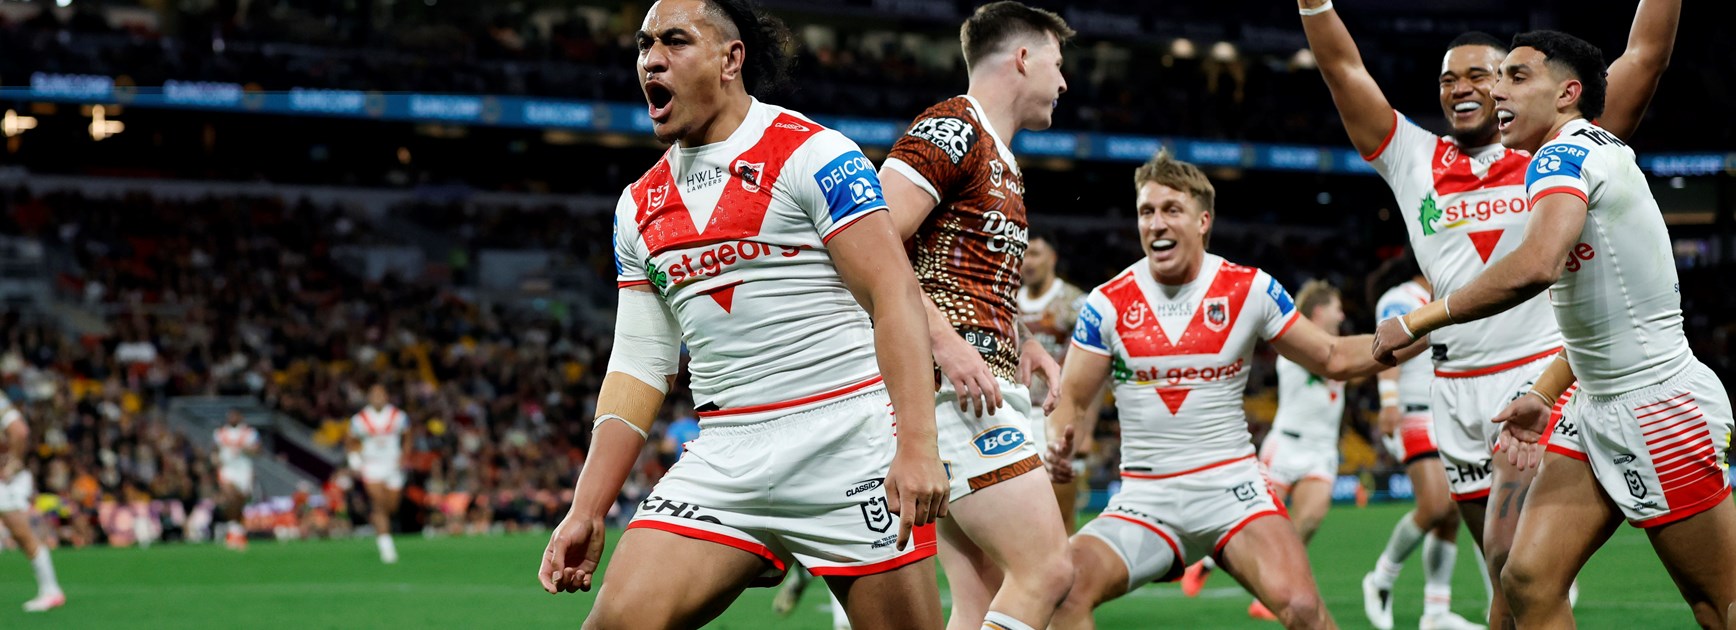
x=1316, y=10
x=647, y=339
x=1406, y=327
x=1388, y=393
x=609, y=416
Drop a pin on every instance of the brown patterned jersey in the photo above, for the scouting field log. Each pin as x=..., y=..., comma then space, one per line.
x=968, y=251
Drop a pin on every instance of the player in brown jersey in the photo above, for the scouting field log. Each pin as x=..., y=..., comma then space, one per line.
x=956, y=193
x=1049, y=306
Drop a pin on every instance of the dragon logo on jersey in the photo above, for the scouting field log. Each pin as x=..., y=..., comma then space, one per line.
x=1119, y=371
x=658, y=277
x=954, y=136
x=1217, y=313
x=1428, y=215
x=750, y=174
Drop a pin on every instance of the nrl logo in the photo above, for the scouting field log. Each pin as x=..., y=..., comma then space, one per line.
x=749, y=173
x=1217, y=313
x=657, y=195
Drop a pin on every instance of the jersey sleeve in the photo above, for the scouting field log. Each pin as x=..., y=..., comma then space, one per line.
x=931, y=153
x=252, y=439
x=1270, y=302
x=836, y=185
x=1560, y=168
x=1393, y=303
x=629, y=262
x=358, y=427
x=1091, y=332
x=1402, y=148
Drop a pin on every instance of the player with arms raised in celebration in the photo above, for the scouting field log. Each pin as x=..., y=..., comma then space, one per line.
x=237, y=443
x=1408, y=429
x=1463, y=200
x=1645, y=437
x=758, y=240
x=17, y=488
x=379, y=438
x=956, y=192
x=1176, y=332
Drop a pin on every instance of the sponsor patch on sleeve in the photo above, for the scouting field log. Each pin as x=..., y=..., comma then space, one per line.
x=850, y=186
x=1395, y=309
x=954, y=136
x=1557, y=160
x=1280, y=296
x=1088, y=331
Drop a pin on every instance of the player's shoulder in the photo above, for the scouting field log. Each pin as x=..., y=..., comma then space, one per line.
x=951, y=126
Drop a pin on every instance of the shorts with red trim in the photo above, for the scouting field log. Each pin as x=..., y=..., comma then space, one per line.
x=1463, y=405
x=1289, y=459
x=1159, y=526
x=805, y=486
x=982, y=451
x=238, y=477
x=1658, y=452
x=1416, y=436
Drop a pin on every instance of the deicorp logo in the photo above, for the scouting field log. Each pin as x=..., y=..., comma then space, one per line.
x=849, y=185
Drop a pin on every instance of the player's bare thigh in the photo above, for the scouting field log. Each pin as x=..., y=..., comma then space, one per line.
x=972, y=577
x=1309, y=500
x=1435, y=507
x=18, y=525
x=1566, y=518
x=1099, y=575
x=640, y=590
x=383, y=496
x=1267, y=557
x=906, y=597
x=1700, y=554
x=1032, y=554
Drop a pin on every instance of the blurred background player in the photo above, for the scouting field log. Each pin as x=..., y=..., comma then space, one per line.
x=1455, y=194
x=1176, y=332
x=818, y=453
x=956, y=193
x=17, y=488
x=1653, y=422
x=1048, y=306
x=379, y=438
x=237, y=443
x=1408, y=429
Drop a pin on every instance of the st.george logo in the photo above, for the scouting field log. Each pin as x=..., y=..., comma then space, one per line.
x=749, y=173
x=999, y=441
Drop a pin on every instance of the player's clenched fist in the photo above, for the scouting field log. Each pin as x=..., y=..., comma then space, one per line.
x=571, y=558
x=1391, y=336
x=916, y=488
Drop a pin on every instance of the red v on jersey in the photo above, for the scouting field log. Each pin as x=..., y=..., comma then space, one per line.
x=1454, y=174
x=1143, y=336
x=1173, y=397
x=1485, y=242
x=664, y=219
x=724, y=295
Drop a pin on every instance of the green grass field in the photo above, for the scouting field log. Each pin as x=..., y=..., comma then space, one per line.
x=489, y=582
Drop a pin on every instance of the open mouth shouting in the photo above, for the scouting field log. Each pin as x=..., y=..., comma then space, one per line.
x=1160, y=248
x=1504, y=117
x=659, y=100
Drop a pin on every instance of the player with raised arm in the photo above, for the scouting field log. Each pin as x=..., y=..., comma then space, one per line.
x=1176, y=332
x=17, y=488
x=1048, y=306
x=237, y=443
x=1463, y=200
x=956, y=192
x=758, y=240
x=1408, y=429
x=379, y=438
x=1652, y=423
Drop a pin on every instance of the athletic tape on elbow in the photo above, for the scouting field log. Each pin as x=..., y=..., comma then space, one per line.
x=647, y=340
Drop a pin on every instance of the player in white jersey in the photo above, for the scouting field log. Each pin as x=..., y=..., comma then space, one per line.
x=1652, y=423
x=17, y=488
x=1408, y=429
x=1301, y=452
x=1049, y=306
x=759, y=241
x=237, y=443
x=1463, y=201
x=1176, y=332
x=379, y=439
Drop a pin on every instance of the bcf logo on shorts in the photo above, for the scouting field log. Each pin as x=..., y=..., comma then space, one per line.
x=999, y=441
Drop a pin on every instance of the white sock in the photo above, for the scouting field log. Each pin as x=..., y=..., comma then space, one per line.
x=840, y=619
x=1001, y=621
x=385, y=543
x=1405, y=537
x=1439, y=557
x=46, y=584
x=1483, y=571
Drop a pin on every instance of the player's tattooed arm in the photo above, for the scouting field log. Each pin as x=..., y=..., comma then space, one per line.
x=1633, y=77
x=1368, y=117
x=1555, y=225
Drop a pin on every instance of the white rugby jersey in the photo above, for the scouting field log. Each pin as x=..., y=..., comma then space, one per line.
x=1180, y=359
x=232, y=445
x=1464, y=209
x=1310, y=407
x=733, y=236
x=1619, y=301
x=8, y=414
x=381, y=431
x=1414, y=376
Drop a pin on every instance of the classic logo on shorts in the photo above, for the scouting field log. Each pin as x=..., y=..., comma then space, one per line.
x=1217, y=313
x=876, y=515
x=999, y=441
x=863, y=486
x=1636, y=484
